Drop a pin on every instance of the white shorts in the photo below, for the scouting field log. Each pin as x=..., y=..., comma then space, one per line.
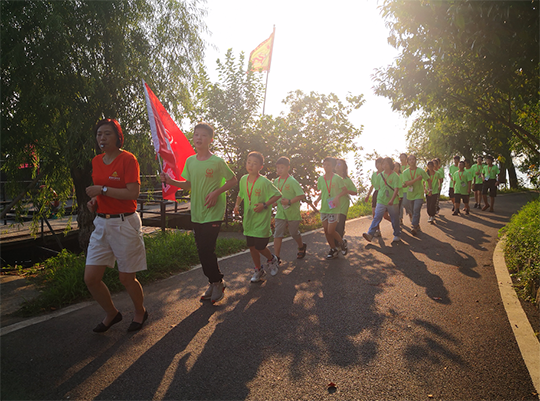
x=281, y=224
x=331, y=217
x=118, y=240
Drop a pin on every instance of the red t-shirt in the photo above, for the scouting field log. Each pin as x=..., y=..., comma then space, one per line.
x=123, y=170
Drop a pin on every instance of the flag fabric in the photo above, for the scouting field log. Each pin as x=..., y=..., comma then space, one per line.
x=169, y=141
x=261, y=57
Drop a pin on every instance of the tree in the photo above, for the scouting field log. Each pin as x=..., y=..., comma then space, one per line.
x=65, y=65
x=477, y=57
x=315, y=126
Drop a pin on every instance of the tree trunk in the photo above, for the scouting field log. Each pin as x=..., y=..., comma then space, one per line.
x=82, y=178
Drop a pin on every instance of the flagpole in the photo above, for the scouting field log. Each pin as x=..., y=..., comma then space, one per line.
x=265, y=88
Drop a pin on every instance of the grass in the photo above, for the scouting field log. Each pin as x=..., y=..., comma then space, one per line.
x=60, y=278
x=521, y=250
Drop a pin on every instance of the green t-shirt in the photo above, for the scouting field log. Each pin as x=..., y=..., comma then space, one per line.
x=206, y=176
x=416, y=191
x=374, y=180
x=476, y=168
x=460, y=179
x=344, y=201
x=452, y=170
x=289, y=188
x=435, y=184
x=329, y=190
x=257, y=224
x=491, y=172
x=387, y=191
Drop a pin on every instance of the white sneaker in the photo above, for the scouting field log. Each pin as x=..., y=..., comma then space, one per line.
x=218, y=291
x=208, y=293
x=259, y=273
x=377, y=233
x=396, y=239
x=272, y=266
x=430, y=219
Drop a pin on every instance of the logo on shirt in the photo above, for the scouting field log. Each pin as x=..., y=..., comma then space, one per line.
x=258, y=192
x=114, y=177
x=287, y=187
x=209, y=173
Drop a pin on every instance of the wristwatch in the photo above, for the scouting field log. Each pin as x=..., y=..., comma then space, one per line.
x=289, y=202
x=265, y=206
x=104, y=190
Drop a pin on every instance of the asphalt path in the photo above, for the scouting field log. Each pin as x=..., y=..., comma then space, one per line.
x=421, y=319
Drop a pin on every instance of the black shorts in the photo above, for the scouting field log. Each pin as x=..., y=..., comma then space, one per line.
x=451, y=193
x=458, y=198
x=374, y=200
x=259, y=243
x=490, y=185
x=478, y=187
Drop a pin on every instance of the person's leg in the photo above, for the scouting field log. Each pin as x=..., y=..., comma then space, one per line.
x=379, y=213
x=466, y=204
x=267, y=254
x=457, y=204
x=430, y=205
x=340, y=227
x=255, y=256
x=205, y=238
x=135, y=291
x=394, y=218
x=278, y=235
x=492, y=204
x=417, y=208
x=332, y=236
x=93, y=279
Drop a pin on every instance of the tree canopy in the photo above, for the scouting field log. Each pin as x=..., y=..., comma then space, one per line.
x=470, y=68
x=65, y=65
x=315, y=126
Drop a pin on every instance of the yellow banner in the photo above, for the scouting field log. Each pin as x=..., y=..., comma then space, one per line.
x=261, y=57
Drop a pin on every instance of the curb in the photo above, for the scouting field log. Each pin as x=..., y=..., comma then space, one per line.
x=523, y=331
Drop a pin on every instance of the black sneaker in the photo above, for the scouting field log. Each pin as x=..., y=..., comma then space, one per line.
x=344, y=247
x=332, y=254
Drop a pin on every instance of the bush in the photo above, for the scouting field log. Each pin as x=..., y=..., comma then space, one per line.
x=522, y=250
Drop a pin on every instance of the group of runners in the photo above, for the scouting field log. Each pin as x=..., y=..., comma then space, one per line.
x=118, y=235
x=402, y=186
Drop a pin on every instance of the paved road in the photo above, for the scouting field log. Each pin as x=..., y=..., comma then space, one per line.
x=418, y=320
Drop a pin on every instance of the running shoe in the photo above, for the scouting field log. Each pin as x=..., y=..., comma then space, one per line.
x=368, y=237
x=344, y=247
x=396, y=239
x=259, y=273
x=272, y=266
x=332, y=253
x=208, y=293
x=218, y=291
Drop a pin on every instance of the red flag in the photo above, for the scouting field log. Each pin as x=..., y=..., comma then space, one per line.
x=169, y=141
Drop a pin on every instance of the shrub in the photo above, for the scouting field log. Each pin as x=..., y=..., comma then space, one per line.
x=522, y=250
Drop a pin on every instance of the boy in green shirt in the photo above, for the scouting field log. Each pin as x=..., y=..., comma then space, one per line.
x=490, y=175
x=332, y=190
x=343, y=171
x=476, y=172
x=388, y=184
x=452, y=170
x=432, y=194
x=414, y=191
x=259, y=194
x=288, y=208
x=373, y=180
x=462, y=188
x=208, y=177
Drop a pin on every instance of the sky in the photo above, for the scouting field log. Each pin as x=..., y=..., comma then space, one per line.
x=321, y=46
